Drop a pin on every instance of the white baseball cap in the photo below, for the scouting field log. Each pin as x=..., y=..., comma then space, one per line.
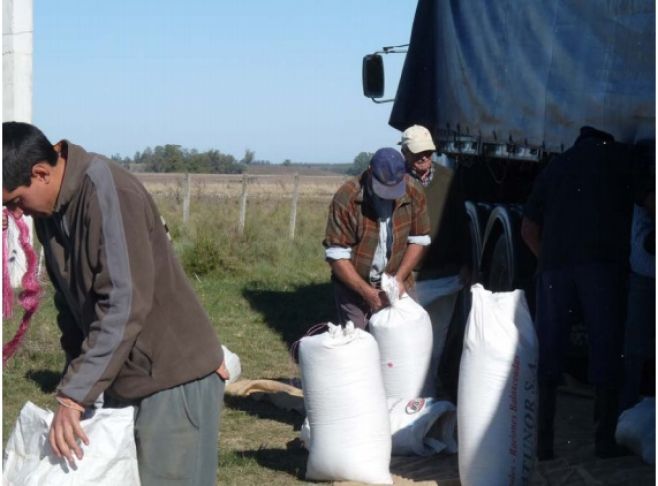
x=417, y=139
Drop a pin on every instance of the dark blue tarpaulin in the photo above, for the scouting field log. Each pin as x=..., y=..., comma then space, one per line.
x=533, y=71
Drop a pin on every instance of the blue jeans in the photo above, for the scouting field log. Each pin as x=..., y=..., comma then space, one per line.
x=594, y=293
x=640, y=335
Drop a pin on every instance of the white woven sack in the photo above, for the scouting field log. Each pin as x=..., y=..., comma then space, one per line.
x=422, y=426
x=497, y=392
x=636, y=429
x=232, y=362
x=350, y=434
x=109, y=459
x=403, y=332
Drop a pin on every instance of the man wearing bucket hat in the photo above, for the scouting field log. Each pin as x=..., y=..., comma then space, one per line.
x=444, y=269
x=377, y=223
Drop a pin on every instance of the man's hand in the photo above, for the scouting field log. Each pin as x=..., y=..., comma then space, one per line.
x=375, y=298
x=222, y=371
x=64, y=433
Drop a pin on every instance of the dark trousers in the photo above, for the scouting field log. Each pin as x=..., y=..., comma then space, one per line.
x=177, y=433
x=350, y=306
x=594, y=293
x=640, y=335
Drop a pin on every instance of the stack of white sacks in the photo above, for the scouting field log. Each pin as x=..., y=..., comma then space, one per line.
x=362, y=393
x=364, y=403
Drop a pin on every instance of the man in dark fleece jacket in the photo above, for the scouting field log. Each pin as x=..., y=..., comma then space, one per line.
x=132, y=327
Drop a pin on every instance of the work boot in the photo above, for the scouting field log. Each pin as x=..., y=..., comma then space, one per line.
x=606, y=414
x=546, y=416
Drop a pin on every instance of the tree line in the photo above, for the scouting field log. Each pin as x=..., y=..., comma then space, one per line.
x=174, y=158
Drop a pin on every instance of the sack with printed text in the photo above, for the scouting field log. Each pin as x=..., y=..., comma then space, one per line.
x=497, y=393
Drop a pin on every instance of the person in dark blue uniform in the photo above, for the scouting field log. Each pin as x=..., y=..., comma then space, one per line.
x=577, y=222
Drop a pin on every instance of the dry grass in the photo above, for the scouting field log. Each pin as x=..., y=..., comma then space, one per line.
x=228, y=185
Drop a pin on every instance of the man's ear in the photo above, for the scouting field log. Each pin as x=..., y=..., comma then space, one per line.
x=42, y=171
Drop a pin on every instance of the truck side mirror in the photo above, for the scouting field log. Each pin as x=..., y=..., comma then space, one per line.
x=373, y=76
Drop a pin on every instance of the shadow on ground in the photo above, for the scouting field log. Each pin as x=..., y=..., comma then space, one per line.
x=292, y=313
x=291, y=460
x=263, y=410
x=46, y=379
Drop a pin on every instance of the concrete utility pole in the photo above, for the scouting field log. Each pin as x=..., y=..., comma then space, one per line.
x=17, y=98
x=17, y=60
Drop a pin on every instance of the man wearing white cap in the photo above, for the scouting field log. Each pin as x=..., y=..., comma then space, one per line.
x=444, y=268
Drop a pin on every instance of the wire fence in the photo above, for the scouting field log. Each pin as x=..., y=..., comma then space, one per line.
x=294, y=187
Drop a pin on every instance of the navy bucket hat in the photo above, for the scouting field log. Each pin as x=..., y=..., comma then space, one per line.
x=387, y=173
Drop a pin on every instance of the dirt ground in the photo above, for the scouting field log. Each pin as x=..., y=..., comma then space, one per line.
x=575, y=463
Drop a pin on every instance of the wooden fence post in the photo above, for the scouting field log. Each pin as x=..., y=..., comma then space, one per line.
x=243, y=205
x=186, y=199
x=293, y=211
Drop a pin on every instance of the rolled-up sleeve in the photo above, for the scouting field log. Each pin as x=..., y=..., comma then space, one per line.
x=338, y=253
x=422, y=240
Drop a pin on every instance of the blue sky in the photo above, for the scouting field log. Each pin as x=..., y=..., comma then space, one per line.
x=280, y=77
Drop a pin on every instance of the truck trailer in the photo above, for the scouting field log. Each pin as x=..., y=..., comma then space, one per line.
x=502, y=86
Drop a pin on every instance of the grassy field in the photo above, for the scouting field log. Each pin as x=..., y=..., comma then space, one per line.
x=262, y=292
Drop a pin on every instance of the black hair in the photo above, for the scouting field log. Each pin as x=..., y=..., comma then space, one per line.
x=23, y=146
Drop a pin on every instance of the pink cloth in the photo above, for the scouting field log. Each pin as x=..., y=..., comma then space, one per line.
x=29, y=297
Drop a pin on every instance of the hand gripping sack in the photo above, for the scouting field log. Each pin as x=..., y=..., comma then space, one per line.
x=497, y=394
x=350, y=434
x=110, y=458
x=636, y=429
x=422, y=426
x=403, y=332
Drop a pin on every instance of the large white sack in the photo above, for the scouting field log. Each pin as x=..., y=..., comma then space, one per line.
x=636, y=429
x=497, y=395
x=110, y=458
x=422, y=426
x=350, y=434
x=232, y=363
x=403, y=332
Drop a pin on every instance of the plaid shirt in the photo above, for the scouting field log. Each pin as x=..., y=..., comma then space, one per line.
x=353, y=223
